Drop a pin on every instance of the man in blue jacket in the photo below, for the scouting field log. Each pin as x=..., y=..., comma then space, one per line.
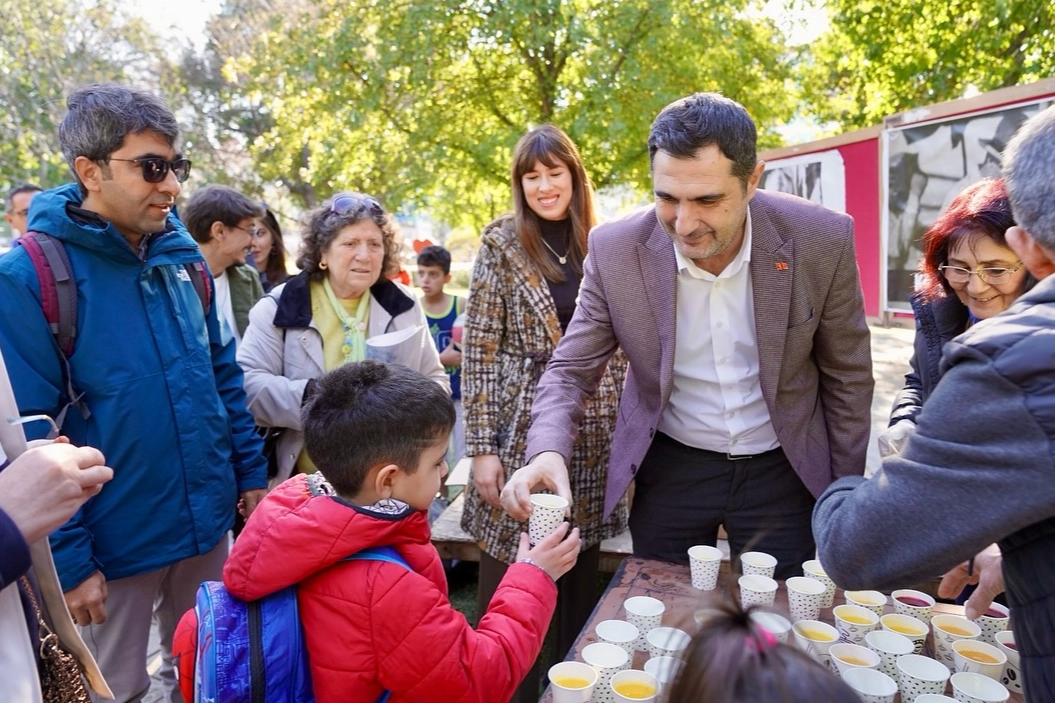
x=161, y=393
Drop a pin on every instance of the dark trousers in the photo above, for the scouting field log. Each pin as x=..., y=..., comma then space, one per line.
x=576, y=598
x=682, y=494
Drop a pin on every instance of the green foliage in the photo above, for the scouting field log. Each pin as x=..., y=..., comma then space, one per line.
x=883, y=57
x=421, y=103
x=46, y=50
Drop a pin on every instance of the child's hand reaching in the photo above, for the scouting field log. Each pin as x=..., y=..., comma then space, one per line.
x=555, y=555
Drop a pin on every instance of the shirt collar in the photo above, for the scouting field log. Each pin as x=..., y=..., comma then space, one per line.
x=742, y=257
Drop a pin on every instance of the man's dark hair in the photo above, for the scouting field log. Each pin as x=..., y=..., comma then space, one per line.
x=101, y=115
x=19, y=190
x=700, y=120
x=217, y=204
x=367, y=414
x=435, y=255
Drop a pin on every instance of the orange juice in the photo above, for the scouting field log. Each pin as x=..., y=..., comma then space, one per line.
x=570, y=682
x=982, y=657
x=856, y=619
x=854, y=661
x=634, y=689
x=953, y=630
x=906, y=630
x=816, y=635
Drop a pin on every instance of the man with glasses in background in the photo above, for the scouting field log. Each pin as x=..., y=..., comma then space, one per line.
x=224, y=223
x=16, y=209
x=153, y=380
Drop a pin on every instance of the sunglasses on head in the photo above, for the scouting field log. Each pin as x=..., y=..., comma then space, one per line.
x=348, y=203
x=156, y=168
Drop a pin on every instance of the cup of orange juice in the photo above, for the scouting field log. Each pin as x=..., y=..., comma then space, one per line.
x=979, y=658
x=634, y=686
x=915, y=630
x=949, y=629
x=816, y=639
x=854, y=622
x=572, y=682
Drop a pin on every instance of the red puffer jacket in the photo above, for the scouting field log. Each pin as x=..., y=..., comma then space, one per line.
x=372, y=625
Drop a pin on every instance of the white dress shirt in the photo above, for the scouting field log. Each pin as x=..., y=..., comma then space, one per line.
x=223, y=304
x=716, y=402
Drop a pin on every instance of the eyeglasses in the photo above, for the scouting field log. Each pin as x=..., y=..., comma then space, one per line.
x=993, y=276
x=155, y=168
x=251, y=231
x=349, y=203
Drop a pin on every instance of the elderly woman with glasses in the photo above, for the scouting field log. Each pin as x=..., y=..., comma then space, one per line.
x=968, y=274
x=323, y=317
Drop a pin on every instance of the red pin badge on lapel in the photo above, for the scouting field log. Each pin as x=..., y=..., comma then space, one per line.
x=782, y=266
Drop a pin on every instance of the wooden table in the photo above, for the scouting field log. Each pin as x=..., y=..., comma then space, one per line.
x=671, y=584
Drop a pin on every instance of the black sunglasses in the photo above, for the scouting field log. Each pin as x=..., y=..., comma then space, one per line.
x=156, y=168
x=348, y=203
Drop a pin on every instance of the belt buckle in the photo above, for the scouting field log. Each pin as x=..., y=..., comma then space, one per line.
x=738, y=457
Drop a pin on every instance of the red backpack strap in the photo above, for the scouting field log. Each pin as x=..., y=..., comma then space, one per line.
x=202, y=284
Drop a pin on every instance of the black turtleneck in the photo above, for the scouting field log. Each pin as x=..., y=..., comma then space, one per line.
x=557, y=234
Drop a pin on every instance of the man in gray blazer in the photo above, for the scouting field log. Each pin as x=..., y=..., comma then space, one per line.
x=750, y=381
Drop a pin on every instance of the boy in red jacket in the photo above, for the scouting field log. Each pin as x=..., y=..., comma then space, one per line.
x=379, y=434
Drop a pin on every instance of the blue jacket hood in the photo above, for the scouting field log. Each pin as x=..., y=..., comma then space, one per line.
x=58, y=212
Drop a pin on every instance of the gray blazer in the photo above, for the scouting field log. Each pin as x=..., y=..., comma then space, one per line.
x=813, y=343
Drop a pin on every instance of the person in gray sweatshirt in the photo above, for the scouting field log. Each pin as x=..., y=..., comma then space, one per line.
x=981, y=466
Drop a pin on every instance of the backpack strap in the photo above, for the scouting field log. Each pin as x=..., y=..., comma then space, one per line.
x=202, y=284
x=389, y=555
x=58, y=298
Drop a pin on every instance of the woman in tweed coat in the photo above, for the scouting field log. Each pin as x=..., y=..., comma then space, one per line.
x=524, y=285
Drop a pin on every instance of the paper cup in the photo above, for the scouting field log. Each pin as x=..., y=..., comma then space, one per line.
x=704, y=564
x=1012, y=676
x=919, y=675
x=976, y=688
x=915, y=630
x=813, y=569
x=772, y=623
x=948, y=629
x=871, y=685
x=618, y=632
x=977, y=657
x=853, y=656
x=816, y=639
x=572, y=682
x=758, y=563
x=645, y=613
x=667, y=642
x=805, y=597
x=757, y=590
x=889, y=646
x=633, y=686
x=607, y=660
x=873, y=600
x=854, y=622
x=547, y=513
x=915, y=604
x=665, y=669
x=995, y=619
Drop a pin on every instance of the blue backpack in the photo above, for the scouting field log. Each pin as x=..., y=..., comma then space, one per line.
x=254, y=652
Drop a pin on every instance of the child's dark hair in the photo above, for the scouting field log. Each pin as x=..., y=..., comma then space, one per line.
x=367, y=414
x=734, y=660
x=435, y=255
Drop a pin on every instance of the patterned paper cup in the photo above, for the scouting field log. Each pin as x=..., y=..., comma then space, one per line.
x=873, y=600
x=665, y=669
x=645, y=613
x=547, y=513
x=704, y=564
x=854, y=622
x=757, y=590
x=915, y=604
x=572, y=682
x=772, y=623
x=915, y=630
x=889, y=646
x=805, y=597
x=758, y=563
x=618, y=632
x=816, y=639
x=1012, y=676
x=667, y=642
x=634, y=686
x=978, y=657
x=919, y=675
x=871, y=685
x=607, y=660
x=976, y=688
x=853, y=656
x=948, y=629
x=995, y=619
x=813, y=569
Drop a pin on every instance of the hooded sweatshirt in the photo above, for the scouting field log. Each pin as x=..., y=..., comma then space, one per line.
x=372, y=626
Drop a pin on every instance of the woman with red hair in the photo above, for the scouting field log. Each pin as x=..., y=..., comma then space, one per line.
x=969, y=274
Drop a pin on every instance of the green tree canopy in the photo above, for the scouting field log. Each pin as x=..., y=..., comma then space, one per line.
x=885, y=56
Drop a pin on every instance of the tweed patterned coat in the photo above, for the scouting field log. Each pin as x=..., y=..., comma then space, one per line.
x=511, y=331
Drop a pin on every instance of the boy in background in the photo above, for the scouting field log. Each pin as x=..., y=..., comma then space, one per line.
x=441, y=310
x=379, y=436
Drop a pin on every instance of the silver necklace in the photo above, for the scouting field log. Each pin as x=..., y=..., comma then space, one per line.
x=562, y=259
